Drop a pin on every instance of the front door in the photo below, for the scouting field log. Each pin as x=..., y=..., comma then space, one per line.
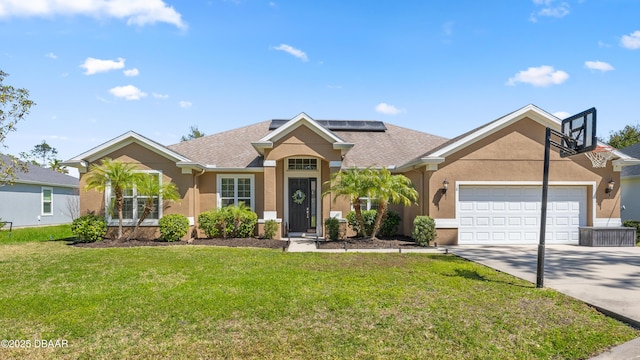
x=302, y=204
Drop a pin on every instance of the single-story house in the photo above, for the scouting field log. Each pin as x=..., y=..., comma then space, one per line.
x=493, y=175
x=39, y=197
x=630, y=186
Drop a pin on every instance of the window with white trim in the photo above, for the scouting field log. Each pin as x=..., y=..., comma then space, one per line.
x=367, y=204
x=47, y=201
x=302, y=164
x=236, y=188
x=133, y=204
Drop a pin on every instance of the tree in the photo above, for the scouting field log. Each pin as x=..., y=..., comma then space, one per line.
x=354, y=184
x=14, y=107
x=56, y=165
x=148, y=185
x=388, y=188
x=626, y=137
x=114, y=174
x=45, y=152
x=194, y=134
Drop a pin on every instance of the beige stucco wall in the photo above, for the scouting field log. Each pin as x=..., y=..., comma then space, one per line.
x=92, y=201
x=515, y=154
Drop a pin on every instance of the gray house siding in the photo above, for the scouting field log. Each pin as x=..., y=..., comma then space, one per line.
x=22, y=205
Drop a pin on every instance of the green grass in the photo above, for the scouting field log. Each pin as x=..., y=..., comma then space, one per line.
x=45, y=233
x=204, y=302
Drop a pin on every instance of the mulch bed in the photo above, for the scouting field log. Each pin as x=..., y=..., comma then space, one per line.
x=382, y=243
x=243, y=242
x=351, y=243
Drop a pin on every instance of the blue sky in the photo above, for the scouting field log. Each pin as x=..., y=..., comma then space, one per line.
x=99, y=68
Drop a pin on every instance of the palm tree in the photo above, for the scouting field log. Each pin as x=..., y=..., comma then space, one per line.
x=354, y=184
x=148, y=185
x=56, y=165
x=115, y=174
x=387, y=188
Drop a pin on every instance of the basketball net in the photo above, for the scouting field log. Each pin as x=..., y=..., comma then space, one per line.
x=600, y=155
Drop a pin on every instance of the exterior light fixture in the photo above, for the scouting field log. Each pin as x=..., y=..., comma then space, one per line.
x=610, y=186
x=445, y=186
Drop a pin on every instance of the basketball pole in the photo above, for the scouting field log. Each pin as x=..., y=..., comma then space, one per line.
x=543, y=211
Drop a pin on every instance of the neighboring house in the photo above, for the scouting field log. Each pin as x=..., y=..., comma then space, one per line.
x=493, y=173
x=630, y=186
x=39, y=197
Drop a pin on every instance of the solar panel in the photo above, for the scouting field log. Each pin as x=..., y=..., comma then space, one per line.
x=340, y=125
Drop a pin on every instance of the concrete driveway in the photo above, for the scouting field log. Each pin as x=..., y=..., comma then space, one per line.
x=607, y=278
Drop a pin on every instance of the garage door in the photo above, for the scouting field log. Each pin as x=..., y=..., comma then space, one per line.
x=511, y=215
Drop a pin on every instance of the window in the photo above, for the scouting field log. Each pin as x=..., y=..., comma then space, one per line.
x=133, y=205
x=303, y=164
x=367, y=204
x=234, y=189
x=47, y=201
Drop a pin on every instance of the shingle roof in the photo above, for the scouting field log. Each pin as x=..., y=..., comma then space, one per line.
x=633, y=151
x=233, y=148
x=43, y=176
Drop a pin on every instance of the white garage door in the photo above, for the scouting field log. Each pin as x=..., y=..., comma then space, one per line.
x=511, y=215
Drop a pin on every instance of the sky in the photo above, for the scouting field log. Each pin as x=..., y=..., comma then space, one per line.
x=99, y=68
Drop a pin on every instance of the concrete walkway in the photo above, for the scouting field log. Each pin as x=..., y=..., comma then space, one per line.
x=607, y=278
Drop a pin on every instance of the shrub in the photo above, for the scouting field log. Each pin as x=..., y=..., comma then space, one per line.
x=89, y=228
x=633, y=224
x=173, y=227
x=332, y=226
x=228, y=222
x=390, y=224
x=369, y=217
x=270, y=228
x=424, y=230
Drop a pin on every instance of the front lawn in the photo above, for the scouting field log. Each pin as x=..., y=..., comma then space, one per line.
x=43, y=233
x=209, y=302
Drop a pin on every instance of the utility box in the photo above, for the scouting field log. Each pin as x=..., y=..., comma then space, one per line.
x=607, y=236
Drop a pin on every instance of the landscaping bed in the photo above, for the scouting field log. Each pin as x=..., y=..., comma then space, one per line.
x=239, y=242
x=382, y=243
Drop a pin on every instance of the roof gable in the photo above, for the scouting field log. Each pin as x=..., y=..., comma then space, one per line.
x=530, y=111
x=119, y=142
x=301, y=119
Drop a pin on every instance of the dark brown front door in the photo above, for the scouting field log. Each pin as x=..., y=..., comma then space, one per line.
x=299, y=204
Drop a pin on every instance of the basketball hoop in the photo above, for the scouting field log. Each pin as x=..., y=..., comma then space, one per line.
x=600, y=155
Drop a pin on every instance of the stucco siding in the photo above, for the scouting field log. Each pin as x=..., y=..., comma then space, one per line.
x=22, y=205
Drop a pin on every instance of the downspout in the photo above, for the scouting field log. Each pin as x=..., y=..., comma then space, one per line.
x=195, y=202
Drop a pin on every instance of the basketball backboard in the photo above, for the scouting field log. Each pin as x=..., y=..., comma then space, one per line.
x=579, y=133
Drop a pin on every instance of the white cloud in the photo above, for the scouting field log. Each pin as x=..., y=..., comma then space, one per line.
x=598, y=65
x=131, y=72
x=387, y=109
x=94, y=66
x=160, y=96
x=561, y=114
x=136, y=12
x=539, y=76
x=293, y=51
x=185, y=104
x=631, y=41
x=128, y=92
x=549, y=9
x=51, y=56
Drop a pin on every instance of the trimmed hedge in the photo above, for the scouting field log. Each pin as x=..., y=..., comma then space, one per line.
x=270, y=229
x=424, y=230
x=332, y=226
x=173, y=227
x=229, y=222
x=89, y=228
x=389, y=226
